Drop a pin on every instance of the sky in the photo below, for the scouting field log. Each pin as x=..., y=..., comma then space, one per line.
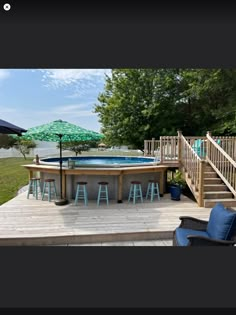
x=31, y=97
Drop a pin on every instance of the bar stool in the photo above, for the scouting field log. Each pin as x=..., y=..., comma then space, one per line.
x=135, y=191
x=49, y=186
x=81, y=193
x=153, y=189
x=102, y=192
x=34, y=187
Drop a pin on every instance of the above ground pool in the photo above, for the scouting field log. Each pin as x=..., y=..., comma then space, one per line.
x=117, y=171
x=101, y=161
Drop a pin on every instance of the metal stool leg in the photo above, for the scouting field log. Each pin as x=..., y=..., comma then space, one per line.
x=85, y=196
x=55, y=190
x=152, y=191
x=157, y=191
x=77, y=195
x=106, y=190
x=130, y=192
x=44, y=188
x=134, y=194
x=140, y=192
x=148, y=190
x=99, y=193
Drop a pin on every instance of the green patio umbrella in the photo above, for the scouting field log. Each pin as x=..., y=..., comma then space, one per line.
x=61, y=131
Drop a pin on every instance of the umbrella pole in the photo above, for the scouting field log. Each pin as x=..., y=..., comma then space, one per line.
x=61, y=201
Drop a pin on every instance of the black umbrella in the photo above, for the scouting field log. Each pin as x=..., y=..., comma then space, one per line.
x=8, y=128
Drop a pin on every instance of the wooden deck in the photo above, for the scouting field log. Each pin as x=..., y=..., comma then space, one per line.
x=34, y=222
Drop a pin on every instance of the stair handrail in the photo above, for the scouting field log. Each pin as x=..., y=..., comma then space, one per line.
x=225, y=167
x=190, y=147
x=221, y=150
x=195, y=171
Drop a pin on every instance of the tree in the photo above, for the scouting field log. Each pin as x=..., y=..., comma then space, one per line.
x=77, y=146
x=6, y=141
x=23, y=145
x=139, y=104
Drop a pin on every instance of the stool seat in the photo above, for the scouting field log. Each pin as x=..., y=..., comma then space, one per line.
x=102, y=192
x=49, y=185
x=135, y=191
x=81, y=193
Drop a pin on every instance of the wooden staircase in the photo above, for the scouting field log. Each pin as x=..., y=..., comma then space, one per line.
x=207, y=163
x=215, y=190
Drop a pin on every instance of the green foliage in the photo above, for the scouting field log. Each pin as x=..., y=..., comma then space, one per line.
x=139, y=104
x=24, y=145
x=177, y=179
x=78, y=146
x=6, y=141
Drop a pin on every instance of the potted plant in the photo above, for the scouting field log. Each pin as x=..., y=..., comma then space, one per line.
x=177, y=183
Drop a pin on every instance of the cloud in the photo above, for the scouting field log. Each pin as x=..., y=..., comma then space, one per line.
x=84, y=78
x=4, y=74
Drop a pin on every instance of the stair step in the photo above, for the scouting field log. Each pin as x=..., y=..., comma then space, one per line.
x=212, y=181
x=208, y=169
x=217, y=194
x=215, y=187
x=210, y=203
x=210, y=175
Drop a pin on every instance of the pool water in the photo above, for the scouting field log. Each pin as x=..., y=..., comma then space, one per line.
x=101, y=161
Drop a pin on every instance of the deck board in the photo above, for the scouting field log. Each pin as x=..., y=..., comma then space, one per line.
x=28, y=221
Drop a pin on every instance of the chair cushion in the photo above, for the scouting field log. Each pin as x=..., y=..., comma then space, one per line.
x=181, y=235
x=221, y=223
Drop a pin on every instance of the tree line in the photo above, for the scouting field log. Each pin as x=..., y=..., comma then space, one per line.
x=139, y=104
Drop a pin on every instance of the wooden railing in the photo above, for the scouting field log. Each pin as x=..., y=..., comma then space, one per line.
x=192, y=152
x=198, y=144
x=168, y=148
x=151, y=147
x=222, y=163
x=228, y=144
x=194, y=166
x=165, y=149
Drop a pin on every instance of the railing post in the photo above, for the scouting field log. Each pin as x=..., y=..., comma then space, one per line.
x=145, y=147
x=161, y=150
x=201, y=184
x=152, y=146
x=208, y=145
x=179, y=146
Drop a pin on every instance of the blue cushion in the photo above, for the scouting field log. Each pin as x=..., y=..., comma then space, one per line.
x=181, y=235
x=199, y=148
x=221, y=223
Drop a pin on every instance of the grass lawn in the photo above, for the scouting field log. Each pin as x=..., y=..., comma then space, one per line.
x=13, y=176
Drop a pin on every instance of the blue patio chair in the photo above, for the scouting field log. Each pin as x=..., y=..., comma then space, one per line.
x=220, y=230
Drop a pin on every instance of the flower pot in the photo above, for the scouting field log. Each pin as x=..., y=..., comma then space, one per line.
x=175, y=192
